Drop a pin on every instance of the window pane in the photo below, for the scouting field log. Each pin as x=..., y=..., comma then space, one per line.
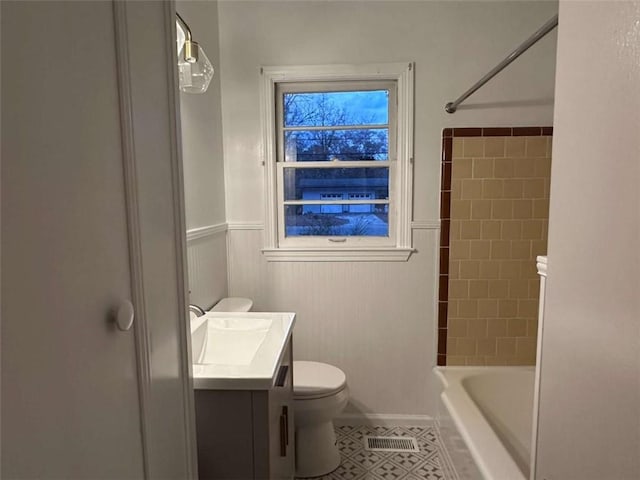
x=336, y=183
x=328, y=109
x=369, y=220
x=321, y=145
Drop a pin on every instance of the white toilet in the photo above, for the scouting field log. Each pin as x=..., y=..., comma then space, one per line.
x=320, y=394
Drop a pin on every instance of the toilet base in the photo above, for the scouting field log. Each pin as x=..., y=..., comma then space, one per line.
x=316, y=451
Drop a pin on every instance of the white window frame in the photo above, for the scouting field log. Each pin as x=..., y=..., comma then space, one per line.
x=398, y=246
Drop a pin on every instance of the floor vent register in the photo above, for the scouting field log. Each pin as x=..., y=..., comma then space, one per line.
x=391, y=444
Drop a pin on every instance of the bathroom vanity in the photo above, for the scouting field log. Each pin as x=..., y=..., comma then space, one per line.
x=243, y=371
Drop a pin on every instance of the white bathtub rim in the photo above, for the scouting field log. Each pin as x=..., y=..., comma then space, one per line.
x=491, y=456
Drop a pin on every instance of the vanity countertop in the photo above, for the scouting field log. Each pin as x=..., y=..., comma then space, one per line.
x=239, y=351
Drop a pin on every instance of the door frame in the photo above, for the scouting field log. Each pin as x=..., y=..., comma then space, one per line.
x=130, y=74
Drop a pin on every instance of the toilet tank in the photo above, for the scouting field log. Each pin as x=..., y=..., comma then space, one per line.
x=233, y=304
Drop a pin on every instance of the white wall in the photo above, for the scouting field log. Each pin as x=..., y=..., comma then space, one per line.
x=201, y=121
x=375, y=320
x=589, y=425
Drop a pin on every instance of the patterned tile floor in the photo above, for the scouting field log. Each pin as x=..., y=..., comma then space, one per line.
x=431, y=463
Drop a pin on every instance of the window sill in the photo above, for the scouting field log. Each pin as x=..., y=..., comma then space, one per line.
x=386, y=254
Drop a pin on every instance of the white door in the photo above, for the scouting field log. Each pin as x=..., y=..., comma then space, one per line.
x=72, y=403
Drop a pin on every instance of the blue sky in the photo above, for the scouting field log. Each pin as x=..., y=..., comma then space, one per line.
x=371, y=106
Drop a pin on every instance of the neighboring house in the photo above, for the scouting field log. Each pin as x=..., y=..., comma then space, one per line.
x=336, y=189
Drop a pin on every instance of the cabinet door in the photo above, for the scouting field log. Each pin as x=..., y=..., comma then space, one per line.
x=281, y=438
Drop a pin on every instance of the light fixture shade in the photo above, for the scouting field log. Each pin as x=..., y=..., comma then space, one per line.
x=194, y=77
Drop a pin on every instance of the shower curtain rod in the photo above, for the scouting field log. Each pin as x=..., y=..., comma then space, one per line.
x=451, y=107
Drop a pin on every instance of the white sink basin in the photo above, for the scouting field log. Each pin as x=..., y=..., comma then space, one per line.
x=238, y=350
x=232, y=341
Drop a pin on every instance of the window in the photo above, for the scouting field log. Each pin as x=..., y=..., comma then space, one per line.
x=338, y=162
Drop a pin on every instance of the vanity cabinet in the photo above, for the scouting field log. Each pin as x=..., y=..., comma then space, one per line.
x=248, y=434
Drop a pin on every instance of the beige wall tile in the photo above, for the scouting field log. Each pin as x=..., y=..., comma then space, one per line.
x=528, y=268
x=451, y=345
x=491, y=230
x=459, y=249
x=460, y=289
x=476, y=361
x=500, y=249
x=543, y=167
x=470, y=230
x=470, y=269
x=456, y=189
x=506, y=346
x=452, y=309
x=477, y=328
x=455, y=360
x=501, y=209
x=534, y=188
x=526, y=347
x=521, y=249
x=486, y=346
x=503, y=168
x=461, y=168
x=536, y=146
x=507, y=308
x=483, y=168
x=466, y=346
x=534, y=288
x=494, y=361
x=494, y=146
x=524, y=167
x=487, y=308
x=516, y=327
x=498, y=288
x=510, y=269
x=527, y=308
x=522, y=209
x=532, y=327
x=481, y=209
x=457, y=327
x=511, y=230
x=541, y=208
x=468, y=308
x=454, y=269
x=539, y=247
x=472, y=188
x=513, y=188
x=458, y=147
x=461, y=209
x=499, y=222
x=519, y=289
x=454, y=229
x=532, y=229
x=496, y=327
x=479, y=249
x=473, y=147
x=478, y=288
x=492, y=188
x=515, y=146
x=489, y=269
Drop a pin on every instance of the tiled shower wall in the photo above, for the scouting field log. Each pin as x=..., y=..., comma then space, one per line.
x=499, y=210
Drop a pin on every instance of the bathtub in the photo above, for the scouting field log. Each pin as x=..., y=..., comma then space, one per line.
x=485, y=419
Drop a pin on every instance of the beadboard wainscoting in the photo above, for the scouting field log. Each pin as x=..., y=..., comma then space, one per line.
x=385, y=343
x=207, y=264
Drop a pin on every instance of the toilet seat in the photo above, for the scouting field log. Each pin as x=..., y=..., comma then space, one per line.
x=312, y=380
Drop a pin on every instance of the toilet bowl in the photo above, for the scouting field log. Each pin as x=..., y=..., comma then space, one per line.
x=320, y=393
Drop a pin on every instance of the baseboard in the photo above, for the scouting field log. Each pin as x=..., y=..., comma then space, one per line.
x=383, y=420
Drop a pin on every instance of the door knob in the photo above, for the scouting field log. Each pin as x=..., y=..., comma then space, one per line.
x=124, y=316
